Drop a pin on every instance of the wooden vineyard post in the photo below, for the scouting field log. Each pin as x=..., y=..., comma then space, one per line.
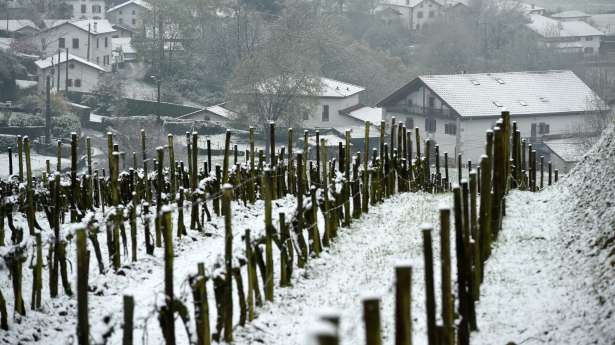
x=556, y=175
x=88, y=147
x=542, y=172
x=251, y=275
x=225, y=166
x=20, y=156
x=171, y=166
x=550, y=178
x=129, y=307
x=292, y=184
x=269, y=230
x=474, y=241
x=148, y=193
x=29, y=189
x=448, y=334
x=382, y=127
x=403, y=299
x=83, y=255
x=10, y=155
x=314, y=233
x=168, y=317
x=365, y=199
x=485, y=210
x=73, y=177
x=303, y=255
x=227, y=196
x=371, y=318
x=430, y=299
x=201, y=305
x=346, y=189
x=463, y=331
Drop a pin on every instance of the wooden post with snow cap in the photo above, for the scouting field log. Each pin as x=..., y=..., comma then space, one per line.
x=20, y=156
x=448, y=334
x=403, y=300
x=127, y=327
x=168, y=311
x=459, y=168
x=331, y=317
x=227, y=196
x=83, y=256
x=542, y=172
x=550, y=178
x=463, y=331
x=323, y=333
x=556, y=175
x=430, y=299
x=269, y=231
x=225, y=167
x=171, y=166
x=30, y=211
x=371, y=318
x=485, y=210
x=365, y=199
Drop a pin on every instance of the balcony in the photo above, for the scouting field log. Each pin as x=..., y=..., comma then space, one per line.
x=422, y=111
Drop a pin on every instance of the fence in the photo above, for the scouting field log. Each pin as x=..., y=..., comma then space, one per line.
x=341, y=188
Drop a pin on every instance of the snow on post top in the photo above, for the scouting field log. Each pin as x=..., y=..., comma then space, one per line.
x=370, y=296
x=444, y=206
x=227, y=186
x=403, y=264
x=426, y=227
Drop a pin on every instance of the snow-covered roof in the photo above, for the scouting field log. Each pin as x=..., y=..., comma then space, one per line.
x=16, y=24
x=141, y=3
x=363, y=113
x=570, y=149
x=219, y=110
x=570, y=14
x=123, y=44
x=408, y=3
x=96, y=26
x=604, y=22
x=521, y=93
x=47, y=62
x=338, y=89
x=551, y=28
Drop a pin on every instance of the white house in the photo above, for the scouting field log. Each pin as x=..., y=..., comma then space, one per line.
x=129, y=14
x=414, y=14
x=87, y=9
x=572, y=36
x=88, y=39
x=82, y=75
x=123, y=50
x=456, y=110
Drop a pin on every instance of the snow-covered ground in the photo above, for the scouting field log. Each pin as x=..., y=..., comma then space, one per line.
x=38, y=164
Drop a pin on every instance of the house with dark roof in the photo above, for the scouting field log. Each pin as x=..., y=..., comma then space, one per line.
x=456, y=110
x=18, y=28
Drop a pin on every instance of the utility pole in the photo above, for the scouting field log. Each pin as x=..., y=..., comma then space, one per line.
x=48, y=110
x=89, y=31
x=66, y=77
x=59, y=60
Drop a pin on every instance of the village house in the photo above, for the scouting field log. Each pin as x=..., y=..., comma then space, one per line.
x=88, y=39
x=455, y=110
x=569, y=36
x=569, y=16
x=129, y=14
x=86, y=9
x=82, y=76
x=413, y=14
x=606, y=24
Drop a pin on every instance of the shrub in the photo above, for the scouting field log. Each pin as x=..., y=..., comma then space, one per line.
x=26, y=120
x=63, y=125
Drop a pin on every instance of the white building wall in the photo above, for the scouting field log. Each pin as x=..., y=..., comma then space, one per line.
x=88, y=77
x=49, y=43
x=424, y=13
x=335, y=119
x=588, y=45
x=88, y=9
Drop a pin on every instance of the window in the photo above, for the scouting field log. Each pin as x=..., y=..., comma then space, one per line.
x=432, y=14
x=75, y=43
x=77, y=82
x=134, y=12
x=450, y=128
x=409, y=123
x=430, y=125
x=98, y=60
x=121, y=20
x=543, y=128
x=83, y=9
x=419, y=14
x=106, y=60
x=97, y=43
x=106, y=42
x=589, y=38
x=62, y=42
x=71, y=65
x=588, y=50
x=325, y=113
x=432, y=102
x=69, y=82
x=134, y=21
x=96, y=9
x=306, y=116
